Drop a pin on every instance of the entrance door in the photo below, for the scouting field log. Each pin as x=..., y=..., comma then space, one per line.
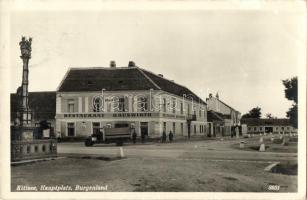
x=144, y=129
x=189, y=130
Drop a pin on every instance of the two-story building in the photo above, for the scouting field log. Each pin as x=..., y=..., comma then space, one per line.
x=222, y=119
x=90, y=98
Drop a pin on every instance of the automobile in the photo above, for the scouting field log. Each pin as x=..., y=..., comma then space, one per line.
x=119, y=134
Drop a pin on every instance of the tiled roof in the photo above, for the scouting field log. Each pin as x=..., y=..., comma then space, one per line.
x=265, y=122
x=43, y=105
x=172, y=87
x=111, y=79
x=120, y=78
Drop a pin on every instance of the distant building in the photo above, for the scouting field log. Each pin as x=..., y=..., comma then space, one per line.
x=41, y=104
x=222, y=119
x=256, y=126
x=90, y=98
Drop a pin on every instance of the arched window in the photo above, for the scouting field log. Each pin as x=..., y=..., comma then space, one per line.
x=97, y=104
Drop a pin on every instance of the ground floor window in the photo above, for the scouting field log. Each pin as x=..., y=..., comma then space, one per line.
x=96, y=127
x=174, y=127
x=181, y=128
x=70, y=129
x=194, y=129
x=164, y=127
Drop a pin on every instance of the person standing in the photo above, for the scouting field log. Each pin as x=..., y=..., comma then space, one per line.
x=163, y=137
x=170, y=136
x=134, y=136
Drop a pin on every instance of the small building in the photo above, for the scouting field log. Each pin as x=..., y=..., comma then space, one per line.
x=90, y=98
x=272, y=125
x=222, y=118
x=41, y=104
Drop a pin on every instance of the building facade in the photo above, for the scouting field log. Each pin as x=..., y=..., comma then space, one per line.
x=90, y=98
x=223, y=119
x=41, y=104
x=275, y=126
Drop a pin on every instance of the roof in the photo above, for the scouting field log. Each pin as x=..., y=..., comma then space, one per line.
x=119, y=79
x=213, y=116
x=225, y=104
x=42, y=104
x=265, y=122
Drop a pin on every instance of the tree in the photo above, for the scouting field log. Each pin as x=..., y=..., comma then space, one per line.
x=253, y=113
x=291, y=95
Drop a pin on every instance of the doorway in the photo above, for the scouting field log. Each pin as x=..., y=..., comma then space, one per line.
x=144, y=130
x=189, y=130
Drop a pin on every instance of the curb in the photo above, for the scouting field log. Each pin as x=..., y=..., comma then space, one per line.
x=23, y=162
x=269, y=168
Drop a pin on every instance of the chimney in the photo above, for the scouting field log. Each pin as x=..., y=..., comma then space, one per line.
x=131, y=64
x=161, y=75
x=210, y=95
x=217, y=95
x=112, y=64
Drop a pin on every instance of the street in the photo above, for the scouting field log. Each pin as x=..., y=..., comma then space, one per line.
x=207, y=165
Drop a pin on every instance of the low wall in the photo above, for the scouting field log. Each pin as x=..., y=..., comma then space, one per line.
x=33, y=149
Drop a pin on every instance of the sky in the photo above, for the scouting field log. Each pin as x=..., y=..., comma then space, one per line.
x=242, y=54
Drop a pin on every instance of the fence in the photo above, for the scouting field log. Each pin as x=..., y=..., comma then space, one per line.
x=33, y=149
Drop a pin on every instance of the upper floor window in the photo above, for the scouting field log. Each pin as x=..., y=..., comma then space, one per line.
x=120, y=104
x=164, y=104
x=181, y=108
x=199, y=112
x=71, y=105
x=143, y=103
x=174, y=105
x=97, y=104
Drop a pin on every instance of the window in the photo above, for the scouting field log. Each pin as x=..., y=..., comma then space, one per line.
x=276, y=128
x=189, y=109
x=164, y=127
x=174, y=127
x=260, y=128
x=70, y=129
x=282, y=128
x=288, y=128
x=199, y=112
x=249, y=128
x=200, y=128
x=96, y=127
x=97, y=104
x=181, y=108
x=255, y=128
x=174, y=105
x=143, y=103
x=71, y=106
x=194, y=129
x=121, y=104
x=181, y=126
x=164, y=105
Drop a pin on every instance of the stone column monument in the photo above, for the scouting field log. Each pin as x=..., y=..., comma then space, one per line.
x=23, y=144
x=25, y=113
